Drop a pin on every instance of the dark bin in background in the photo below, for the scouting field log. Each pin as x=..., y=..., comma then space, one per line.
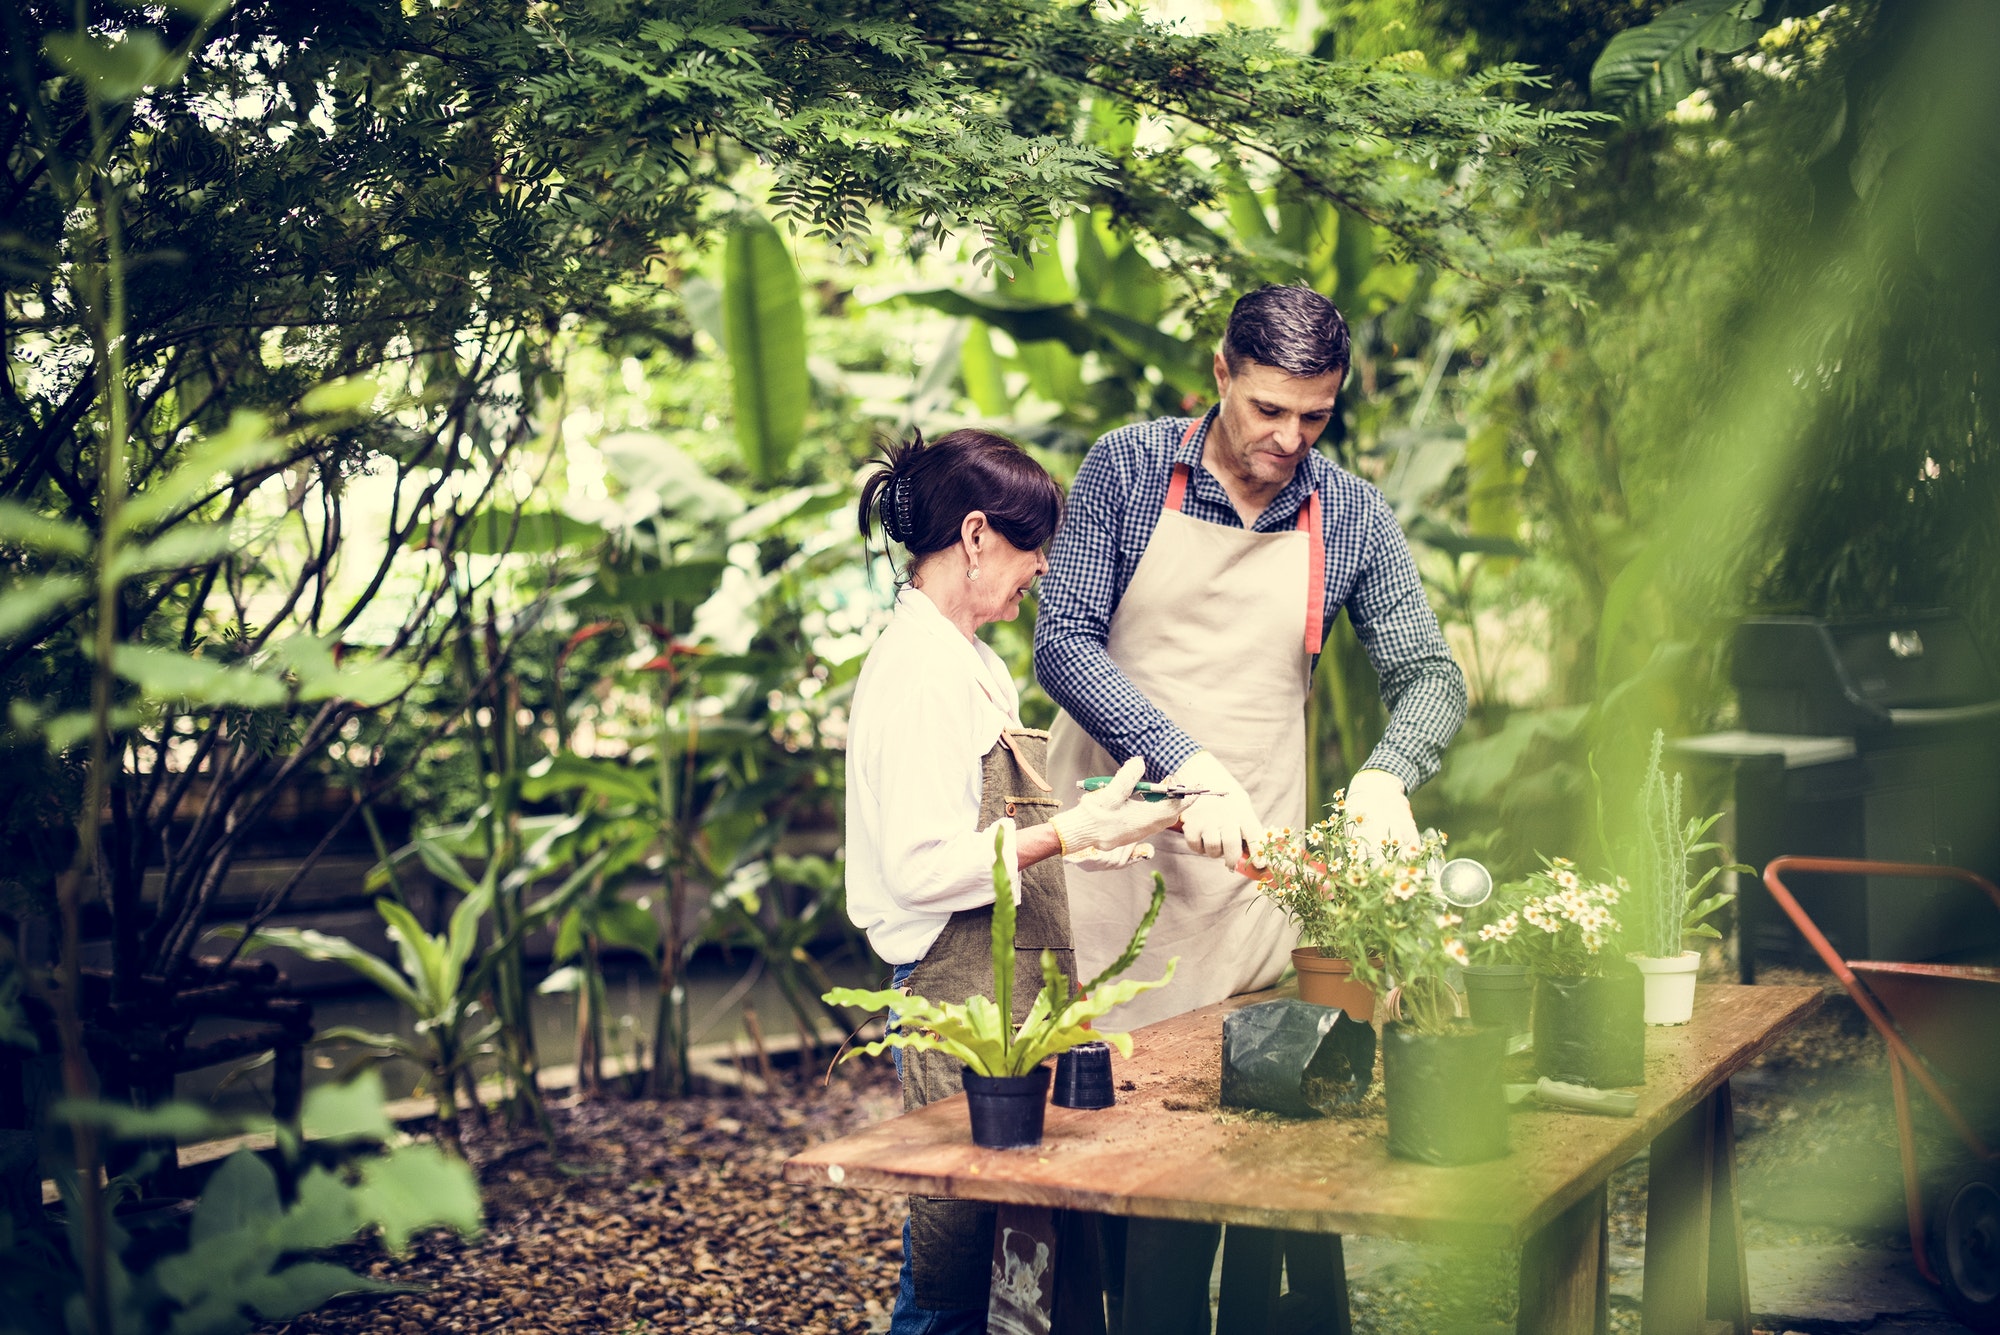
x=1868, y=738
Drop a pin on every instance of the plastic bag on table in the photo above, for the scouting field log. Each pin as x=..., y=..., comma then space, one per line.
x=1295, y=1058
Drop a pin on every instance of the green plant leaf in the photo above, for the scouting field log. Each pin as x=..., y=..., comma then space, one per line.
x=340, y=397
x=424, y=957
x=352, y=1111
x=764, y=326
x=415, y=1187
x=180, y=548
x=22, y=527
x=1130, y=955
x=500, y=531
x=1003, y=945
x=165, y=674
x=323, y=1214
x=301, y=1288
x=244, y=446
x=115, y=70
x=315, y=945
x=1645, y=71
x=24, y=605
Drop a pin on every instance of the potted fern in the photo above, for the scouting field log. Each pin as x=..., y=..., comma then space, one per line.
x=1669, y=901
x=1006, y=1082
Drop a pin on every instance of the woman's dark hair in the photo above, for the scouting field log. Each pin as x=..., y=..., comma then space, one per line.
x=922, y=492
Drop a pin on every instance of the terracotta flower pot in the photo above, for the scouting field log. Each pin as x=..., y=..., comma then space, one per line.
x=1326, y=981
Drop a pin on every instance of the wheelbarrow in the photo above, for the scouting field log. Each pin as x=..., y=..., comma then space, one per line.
x=1942, y=1025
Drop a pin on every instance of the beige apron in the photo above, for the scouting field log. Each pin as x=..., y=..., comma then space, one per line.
x=1217, y=629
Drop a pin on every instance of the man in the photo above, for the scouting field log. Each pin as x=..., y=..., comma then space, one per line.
x=1187, y=597
x=1185, y=605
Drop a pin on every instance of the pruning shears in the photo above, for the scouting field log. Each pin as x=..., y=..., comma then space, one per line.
x=1144, y=792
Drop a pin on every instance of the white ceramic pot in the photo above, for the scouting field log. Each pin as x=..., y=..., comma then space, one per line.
x=1669, y=986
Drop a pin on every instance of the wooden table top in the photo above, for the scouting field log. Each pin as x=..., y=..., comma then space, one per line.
x=1167, y=1150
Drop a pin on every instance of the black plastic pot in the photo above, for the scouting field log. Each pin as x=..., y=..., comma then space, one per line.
x=1592, y=1031
x=1501, y=997
x=1007, y=1110
x=1083, y=1077
x=1446, y=1104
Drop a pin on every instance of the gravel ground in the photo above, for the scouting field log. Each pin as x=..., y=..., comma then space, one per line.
x=672, y=1216
x=651, y=1217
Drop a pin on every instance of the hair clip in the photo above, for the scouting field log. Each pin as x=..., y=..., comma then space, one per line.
x=900, y=493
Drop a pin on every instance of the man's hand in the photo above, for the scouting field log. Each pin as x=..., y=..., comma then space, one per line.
x=1221, y=823
x=1379, y=810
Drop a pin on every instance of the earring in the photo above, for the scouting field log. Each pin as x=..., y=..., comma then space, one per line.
x=973, y=573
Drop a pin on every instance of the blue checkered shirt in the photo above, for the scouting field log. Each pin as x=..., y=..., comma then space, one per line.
x=1113, y=506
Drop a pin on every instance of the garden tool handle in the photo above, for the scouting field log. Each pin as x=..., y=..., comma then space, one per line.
x=1145, y=792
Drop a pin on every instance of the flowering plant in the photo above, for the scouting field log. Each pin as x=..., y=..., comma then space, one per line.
x=1563, y=927
x=1382, y=914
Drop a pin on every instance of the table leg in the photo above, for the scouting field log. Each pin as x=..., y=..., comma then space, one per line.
x=1728, y=1269
x=1167, y=1266
x=1694, y=1239
x=1315, y=1274
x=1565, y=1283
x=1252, y=1260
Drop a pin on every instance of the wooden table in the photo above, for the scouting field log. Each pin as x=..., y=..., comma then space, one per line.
x=1166, y=1151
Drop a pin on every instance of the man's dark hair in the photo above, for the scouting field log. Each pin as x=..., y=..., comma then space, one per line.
x=1292, y=328
x=922, y=492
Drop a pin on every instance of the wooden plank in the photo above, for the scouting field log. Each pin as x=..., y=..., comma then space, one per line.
x=1167, y=1151
x=1679, y=1189
x=1728, y=1270
x=1564, y=1275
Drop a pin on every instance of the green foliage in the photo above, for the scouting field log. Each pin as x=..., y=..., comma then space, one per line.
x=1669, y=905
x=1646, y=70
x=981, y=1032
x=764, y=333
x=1379, y=909
x=436, y=978
x=257, y=1226
x=1557, y=922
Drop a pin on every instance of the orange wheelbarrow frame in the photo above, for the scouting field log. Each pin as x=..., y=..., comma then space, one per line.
x=1905, y=1062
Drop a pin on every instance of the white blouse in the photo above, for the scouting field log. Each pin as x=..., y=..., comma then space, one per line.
x=927, y=708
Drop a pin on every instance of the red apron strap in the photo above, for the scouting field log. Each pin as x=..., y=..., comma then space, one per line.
x=1308, y=524
x=1316, y=572
x=1177, y=482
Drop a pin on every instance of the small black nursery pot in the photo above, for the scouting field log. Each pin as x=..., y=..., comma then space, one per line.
x=1007, y=1110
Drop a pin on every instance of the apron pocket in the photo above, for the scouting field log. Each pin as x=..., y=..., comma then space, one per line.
x=951, y=1252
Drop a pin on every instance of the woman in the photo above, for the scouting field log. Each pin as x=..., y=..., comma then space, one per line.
x=937, y=760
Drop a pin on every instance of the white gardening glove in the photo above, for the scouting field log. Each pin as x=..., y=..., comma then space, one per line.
x=1108, y=818
x=1221, y=823
x=1109, y=859
x=1379, y=811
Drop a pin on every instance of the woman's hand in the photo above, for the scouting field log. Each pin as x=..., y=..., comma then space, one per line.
x=1108, y=819
x=1109, y=859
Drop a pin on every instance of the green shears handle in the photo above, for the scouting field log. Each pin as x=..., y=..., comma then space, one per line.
x=1145, y=792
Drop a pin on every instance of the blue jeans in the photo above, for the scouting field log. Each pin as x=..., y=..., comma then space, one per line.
x=907, y=1318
